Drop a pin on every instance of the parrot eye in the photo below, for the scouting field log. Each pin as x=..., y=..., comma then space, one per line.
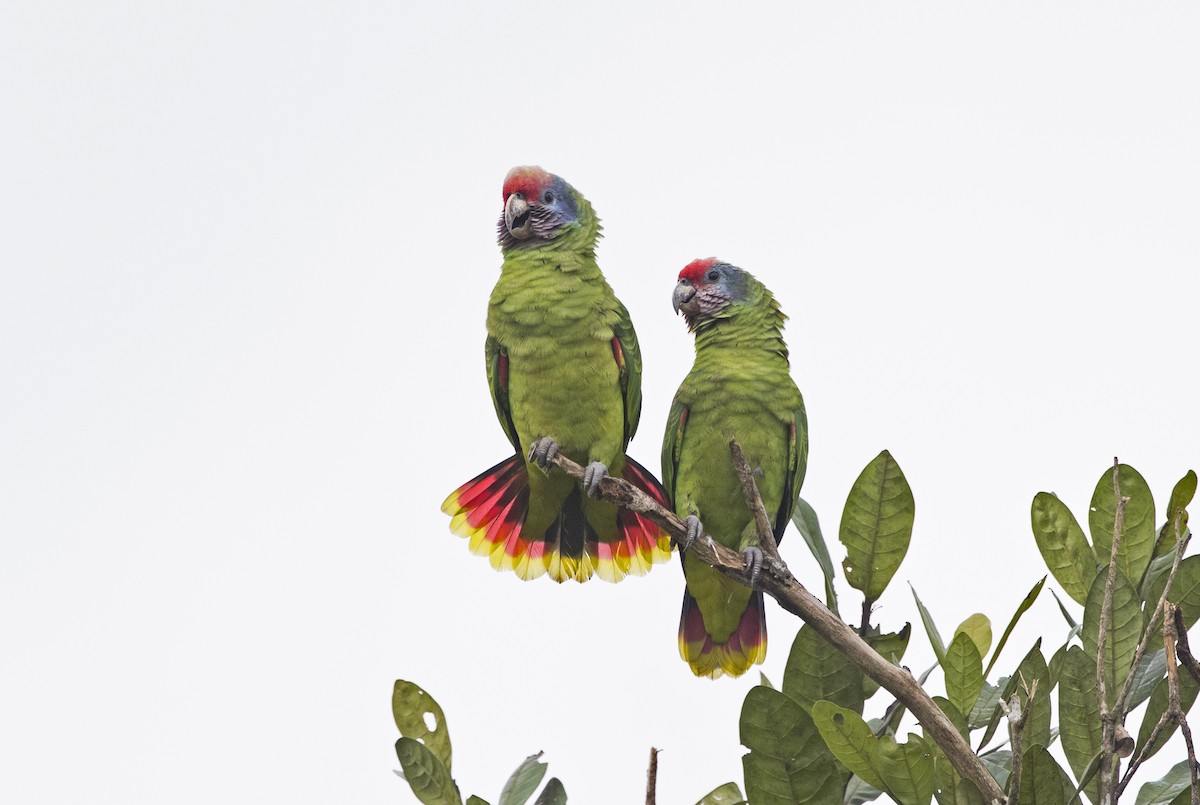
x=713, y=276
x=519, y=195
x=548, y=197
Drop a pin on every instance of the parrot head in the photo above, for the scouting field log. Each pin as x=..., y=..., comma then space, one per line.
x=710, y=289
x=540, y=208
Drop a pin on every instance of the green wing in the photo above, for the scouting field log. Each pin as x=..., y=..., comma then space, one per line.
x=672, y=445
x=629, y=363
x=497, y=371
x=797, y=463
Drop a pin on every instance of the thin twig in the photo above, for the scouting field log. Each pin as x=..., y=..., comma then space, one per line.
x=1017, y=716
x=652, y=778
x=762, y=524
x=1107, y=718
x=1181, y=542
x=1184, y=651
x=777, y=581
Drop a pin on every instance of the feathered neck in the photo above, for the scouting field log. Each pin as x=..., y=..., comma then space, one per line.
x=752, y=326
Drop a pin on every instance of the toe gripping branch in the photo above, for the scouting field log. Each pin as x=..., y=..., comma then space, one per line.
x=776, y=580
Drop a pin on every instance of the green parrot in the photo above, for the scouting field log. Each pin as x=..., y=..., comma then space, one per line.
x=564, y=369
x=739, y=388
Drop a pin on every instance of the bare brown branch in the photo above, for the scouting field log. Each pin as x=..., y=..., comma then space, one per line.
x=762, y=524
x=652, y=778
x=1109, y=716
x=777, y=581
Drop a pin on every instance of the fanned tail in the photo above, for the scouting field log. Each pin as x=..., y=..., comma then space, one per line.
x=489, y=510
x=640, y=543
x=746, y=646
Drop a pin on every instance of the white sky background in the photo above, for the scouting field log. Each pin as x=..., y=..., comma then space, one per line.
x=246, y=252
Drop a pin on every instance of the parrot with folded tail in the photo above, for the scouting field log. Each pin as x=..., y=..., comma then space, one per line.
x=739, y=388
x=564, y=369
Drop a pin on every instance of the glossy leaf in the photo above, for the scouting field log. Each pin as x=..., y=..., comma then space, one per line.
x=805, y=519
x=425, y=773
x=935, y=638
x=1022, y=608
x=986, y=706
x=1181, y=498
x=979, y=629
x=1164, y=790
x=1158, y=706
x=1185, y=591
x=877, y=525
x=787, y=762
x=728, y=794
x=1079, y=713
x=1064, y=547
x=999, y=765
x=1125, y=629
x=555, y=794
x=1041, y=778
x=1139, y=532
x=816, y=670
x=524, y=781
x=1151, y=669
x=413, y=709
x=964, y=672
x=850, y=740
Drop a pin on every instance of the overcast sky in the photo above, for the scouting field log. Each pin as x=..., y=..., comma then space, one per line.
x=245, y=255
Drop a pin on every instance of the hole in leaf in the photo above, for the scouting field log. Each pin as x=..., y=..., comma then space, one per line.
x=838, y=719
x=431, y=722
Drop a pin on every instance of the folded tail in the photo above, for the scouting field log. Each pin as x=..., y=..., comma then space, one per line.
x=746, y=646
x=490, y=510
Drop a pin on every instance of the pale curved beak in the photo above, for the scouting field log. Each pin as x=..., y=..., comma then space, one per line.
x=682, y=295
x=517, y=218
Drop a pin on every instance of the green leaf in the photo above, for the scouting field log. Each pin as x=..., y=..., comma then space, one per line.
x=1139, y=532
x=1033, y=670
x=1125, y=629
x=891, y=646
x=413, y=709
x=876, y=526
x=935, y=639
x=474, y=800
x=524, y=781
x=1164, y=790
x=809, y=527
x=953, y=713
x=1041, y=778
x=999, y=765
x=728, y=794
x=1079, y=713
x=1066, y=615
x=425, y=773
x=816, y=670
x=555, y=794
x=1150, y=670
x=979, y=629
x=1185, y=591
x=1181, y=496
x=859, y=791
x=787, y=762
x=1158, y=706
x=850, y=740
x=964, y=672
x=1064, y=547
x=1022, y=608
x=907, y=769
x=986, y=705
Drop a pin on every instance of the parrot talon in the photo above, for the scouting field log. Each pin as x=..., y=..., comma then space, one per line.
x=753, y=557
x=694, y=530
x=543, y=452
x=593, y=474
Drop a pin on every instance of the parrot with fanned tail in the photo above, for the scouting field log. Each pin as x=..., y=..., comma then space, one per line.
x=564, y=369
x=739, y=388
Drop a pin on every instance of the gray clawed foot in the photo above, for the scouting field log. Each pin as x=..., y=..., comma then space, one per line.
x=543, y=451
x=694, y=530
x=593, y=474
x=753, y=557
